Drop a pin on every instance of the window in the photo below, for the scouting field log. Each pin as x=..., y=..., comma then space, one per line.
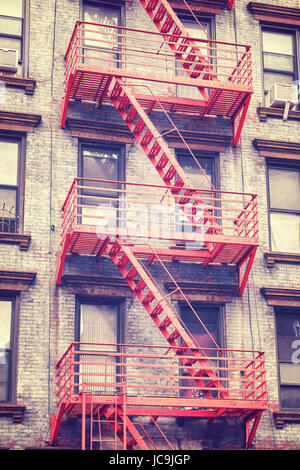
x=99, y=328
x=12, y=29
x=210, y=316
x=192, y=168
x=11, y=184
x=106, y=163
x=7, y=307
x=200, y=29
x=104, y=13
x=288, y=350
x=284, y=209
x=279, y=58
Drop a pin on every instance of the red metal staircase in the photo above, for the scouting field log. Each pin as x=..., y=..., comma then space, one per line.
x=230, y=238
x=165, y=316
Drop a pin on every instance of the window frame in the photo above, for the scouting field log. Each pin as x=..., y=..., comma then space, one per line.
x=91, y=300
x=12, y=379
x=113, y=4
x=220, y=340
x=296, y=56
x=282, y=311
x=20, y=187
x=185, y=15
x=213, y=156
x=22, y=62
x=284, y=166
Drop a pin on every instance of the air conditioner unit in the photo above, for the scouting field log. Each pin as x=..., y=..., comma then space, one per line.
x=281, y=95
x=8, y=60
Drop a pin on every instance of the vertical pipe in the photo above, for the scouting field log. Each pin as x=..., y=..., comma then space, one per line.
x=83, y=418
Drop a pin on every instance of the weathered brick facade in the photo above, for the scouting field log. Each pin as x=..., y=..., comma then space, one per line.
x=46, y=317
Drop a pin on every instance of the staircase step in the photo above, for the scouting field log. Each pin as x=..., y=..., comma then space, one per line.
x=140, y=286
x=131, y=273
x=174, y=335
x=156, y=311
x=148, y=136
x=151, y=5
x=123, y=261
x=148, y=298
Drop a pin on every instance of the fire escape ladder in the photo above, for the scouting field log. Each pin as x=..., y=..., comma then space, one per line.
x=186, y=51
x=101, y=417
x=163, y=160
x=166, y=318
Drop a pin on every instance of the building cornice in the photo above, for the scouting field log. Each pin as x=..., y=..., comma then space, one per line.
x=202, y=292
x=277, y=149
x=16, y=280
x=275, y=13
x=10, y=80
x=99, y=130
x=96, y=285
x=20, y=122
x=281, y=296
x=214, y=7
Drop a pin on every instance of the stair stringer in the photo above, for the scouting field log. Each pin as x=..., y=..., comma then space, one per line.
x=161, y=157
x=121, y=254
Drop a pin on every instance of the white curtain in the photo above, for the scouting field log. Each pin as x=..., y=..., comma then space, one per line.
x=98, y=324
x=285, y=232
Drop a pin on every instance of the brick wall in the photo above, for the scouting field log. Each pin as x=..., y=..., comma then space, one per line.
x=47, y=313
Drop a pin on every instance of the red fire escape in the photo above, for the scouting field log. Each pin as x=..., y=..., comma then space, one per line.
x=132, y=224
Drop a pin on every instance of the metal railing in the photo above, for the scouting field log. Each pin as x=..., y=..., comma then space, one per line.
x=154, y=371
x=139, y=211
x=146, y=55
x=8, y=220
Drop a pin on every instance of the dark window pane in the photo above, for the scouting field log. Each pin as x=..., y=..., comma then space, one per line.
x=290, y=397
x=277, y=42
x=287, y=348
x=288, y=325
x=4, y=374
x=284, y=189
x=12, y=8
x=209, y=317
x=194, y=172
x=108, y=37
x=9, y=163
x=102, y=165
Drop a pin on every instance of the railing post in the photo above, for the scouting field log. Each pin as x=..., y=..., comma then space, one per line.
x=123, y=378
x=83, y=423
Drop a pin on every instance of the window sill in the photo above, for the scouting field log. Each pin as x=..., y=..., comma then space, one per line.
x=28, y=84
x=22, y=239
x=16, y=411
x=284, y=417
x=274, y=257
x=264, y=113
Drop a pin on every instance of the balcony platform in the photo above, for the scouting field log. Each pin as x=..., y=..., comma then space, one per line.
x=120, y=382
x=199, y=226
x=215, y=78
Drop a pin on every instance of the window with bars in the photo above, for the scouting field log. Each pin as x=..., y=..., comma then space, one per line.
x=7, y=307
x=11, y=184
